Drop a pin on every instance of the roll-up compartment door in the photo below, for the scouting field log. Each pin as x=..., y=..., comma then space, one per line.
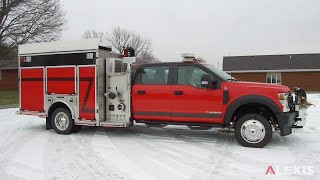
x=32, y=89
x=61, y=80
x=87, y=92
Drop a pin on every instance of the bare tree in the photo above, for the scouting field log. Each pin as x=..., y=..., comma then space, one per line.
x=23, y=21
x=146, y=58
x=142, y=45
x=120, y=37
x=93, y=34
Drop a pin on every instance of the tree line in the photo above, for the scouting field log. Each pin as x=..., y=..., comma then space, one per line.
x=27, y=21
x=121, y=37
x=31, y=21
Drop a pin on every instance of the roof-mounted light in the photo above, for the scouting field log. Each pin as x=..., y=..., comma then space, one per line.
x=192, y=57
x=188, y=57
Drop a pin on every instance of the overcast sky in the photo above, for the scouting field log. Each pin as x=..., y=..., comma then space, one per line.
x=210, y=28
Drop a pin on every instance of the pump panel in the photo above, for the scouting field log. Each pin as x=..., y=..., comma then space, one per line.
x=118, y=91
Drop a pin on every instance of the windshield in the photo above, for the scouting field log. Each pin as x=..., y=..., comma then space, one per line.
x=225, y=76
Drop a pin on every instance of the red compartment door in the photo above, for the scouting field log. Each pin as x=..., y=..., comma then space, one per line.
x=87, y=92
x=32, y=89
x=61, y=80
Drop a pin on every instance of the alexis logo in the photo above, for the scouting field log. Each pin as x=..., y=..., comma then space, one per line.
x=290, y=170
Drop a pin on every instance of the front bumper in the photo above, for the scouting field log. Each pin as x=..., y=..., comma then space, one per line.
x=291, y=119
x=297, y=115
x=286, y=121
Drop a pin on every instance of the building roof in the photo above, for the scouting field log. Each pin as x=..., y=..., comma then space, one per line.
x=8, y=64
x=287, y=62
x=63, y=46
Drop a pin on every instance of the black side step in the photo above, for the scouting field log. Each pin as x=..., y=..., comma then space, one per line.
x=179, y=123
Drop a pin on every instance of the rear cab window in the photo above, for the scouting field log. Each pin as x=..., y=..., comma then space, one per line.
x=155, y=75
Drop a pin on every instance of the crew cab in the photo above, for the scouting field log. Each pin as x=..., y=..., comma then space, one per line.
x=201, y=95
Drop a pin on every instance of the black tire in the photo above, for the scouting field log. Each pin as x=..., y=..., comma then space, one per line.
x=256, y=121
x=69, y=125
x=76, y=128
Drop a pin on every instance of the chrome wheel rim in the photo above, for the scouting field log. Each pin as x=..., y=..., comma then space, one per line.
x=61, y=121
x=253, y=131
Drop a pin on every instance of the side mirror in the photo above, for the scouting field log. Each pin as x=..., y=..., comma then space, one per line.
x=207, y=82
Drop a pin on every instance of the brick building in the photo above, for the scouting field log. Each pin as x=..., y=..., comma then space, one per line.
x=293, y=70
x=8, y=74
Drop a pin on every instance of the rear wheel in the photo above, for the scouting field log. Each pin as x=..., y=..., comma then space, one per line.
x=62, y=121
x=253, y=130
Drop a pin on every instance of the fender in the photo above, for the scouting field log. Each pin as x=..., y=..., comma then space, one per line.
x=246, y=100
x=63, y=102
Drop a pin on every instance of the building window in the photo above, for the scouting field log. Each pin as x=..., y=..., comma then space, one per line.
x=274, y=78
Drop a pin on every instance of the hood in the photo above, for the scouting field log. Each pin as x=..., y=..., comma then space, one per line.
x=279, y=88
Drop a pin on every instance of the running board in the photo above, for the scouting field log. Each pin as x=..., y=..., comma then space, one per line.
x=180, y=123
x=109, y=124
x=86, y=123
x=33, y=113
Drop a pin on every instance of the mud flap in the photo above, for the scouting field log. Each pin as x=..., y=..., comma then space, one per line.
x=48, y=123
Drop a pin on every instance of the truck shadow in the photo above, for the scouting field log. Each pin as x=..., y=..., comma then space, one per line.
x=169, y=134
x=176, y=134
x=173, y=134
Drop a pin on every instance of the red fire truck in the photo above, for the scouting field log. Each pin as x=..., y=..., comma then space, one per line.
x=83, y=83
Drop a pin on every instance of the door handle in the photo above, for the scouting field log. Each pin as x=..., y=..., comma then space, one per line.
x=178, y=93
x=141, y=92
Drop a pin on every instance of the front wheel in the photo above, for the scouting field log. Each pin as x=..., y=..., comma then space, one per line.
x=253, y=130
x=61, y=121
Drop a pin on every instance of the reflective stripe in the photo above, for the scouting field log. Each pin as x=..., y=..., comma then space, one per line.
x=153, y=113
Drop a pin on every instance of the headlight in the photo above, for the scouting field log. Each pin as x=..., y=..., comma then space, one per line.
x=281, y=96
x=283, y=99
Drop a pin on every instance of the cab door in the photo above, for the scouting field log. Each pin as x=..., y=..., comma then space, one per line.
x=151, y=93
x=190, y=101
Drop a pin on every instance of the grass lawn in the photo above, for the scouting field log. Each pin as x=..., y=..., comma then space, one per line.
x=8, y=99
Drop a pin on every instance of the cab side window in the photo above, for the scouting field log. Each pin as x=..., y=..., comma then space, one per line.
x=155, y=75
x=190, y=75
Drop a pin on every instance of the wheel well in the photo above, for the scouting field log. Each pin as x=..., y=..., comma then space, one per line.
x=57, y=105
x=255, y=108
